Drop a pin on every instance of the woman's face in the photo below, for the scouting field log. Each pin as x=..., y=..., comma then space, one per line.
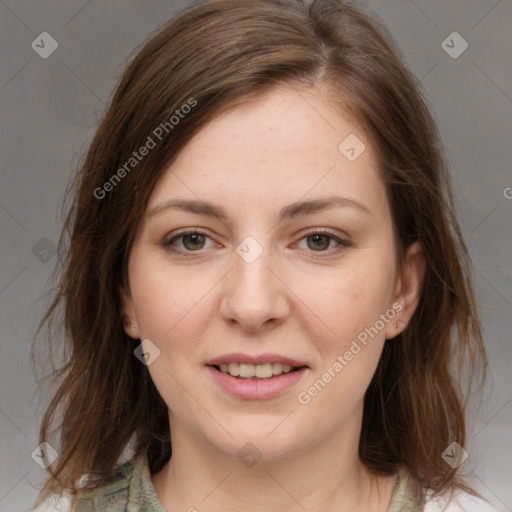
x=299, y=271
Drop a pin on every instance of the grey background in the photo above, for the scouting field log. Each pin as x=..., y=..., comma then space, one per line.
x=49, y=108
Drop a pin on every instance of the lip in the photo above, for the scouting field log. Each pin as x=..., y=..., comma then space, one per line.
x=257, y=389
x=261, y=359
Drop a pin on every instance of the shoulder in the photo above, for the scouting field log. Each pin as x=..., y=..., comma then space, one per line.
x=129, y=489
x=460, y=501
x=112, y=496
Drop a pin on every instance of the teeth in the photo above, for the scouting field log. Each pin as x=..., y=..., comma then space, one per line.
x=277, y=368
x=261, y=371
x=233, y=369
x=246, y=370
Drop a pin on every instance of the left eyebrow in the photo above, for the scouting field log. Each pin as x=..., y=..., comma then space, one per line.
x=288, y=212
x=316, y=205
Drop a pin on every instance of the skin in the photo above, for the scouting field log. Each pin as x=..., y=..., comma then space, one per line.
x=253, y=160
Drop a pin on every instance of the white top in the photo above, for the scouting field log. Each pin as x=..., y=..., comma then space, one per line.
x=460, y=502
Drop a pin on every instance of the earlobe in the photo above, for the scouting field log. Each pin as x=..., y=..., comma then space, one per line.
x=408, y=288
x=128, y=314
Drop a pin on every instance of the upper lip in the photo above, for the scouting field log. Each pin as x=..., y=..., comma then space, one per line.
x=247, y=359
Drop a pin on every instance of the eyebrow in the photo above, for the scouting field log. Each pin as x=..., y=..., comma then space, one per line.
x=288, y=212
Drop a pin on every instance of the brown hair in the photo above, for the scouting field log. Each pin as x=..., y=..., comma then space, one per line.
x=214, y=56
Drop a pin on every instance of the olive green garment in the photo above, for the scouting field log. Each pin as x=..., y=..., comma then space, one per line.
x=130, y=489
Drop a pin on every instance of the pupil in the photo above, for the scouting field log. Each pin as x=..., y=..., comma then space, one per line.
x=318, y=238
x=193, y=237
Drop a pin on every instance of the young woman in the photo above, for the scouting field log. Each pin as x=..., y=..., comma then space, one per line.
x=266, y=294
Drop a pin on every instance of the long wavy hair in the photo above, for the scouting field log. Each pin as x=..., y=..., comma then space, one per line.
x=215, y=56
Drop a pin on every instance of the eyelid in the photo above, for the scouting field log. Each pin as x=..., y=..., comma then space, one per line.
x=325, y=231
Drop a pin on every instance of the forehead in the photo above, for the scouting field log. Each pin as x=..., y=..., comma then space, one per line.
x=286, y=143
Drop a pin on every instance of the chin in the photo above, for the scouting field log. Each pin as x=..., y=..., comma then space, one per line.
x=259, y=442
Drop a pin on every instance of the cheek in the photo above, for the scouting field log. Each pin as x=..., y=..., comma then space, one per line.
x=349, y=357
x=357, y=299
x=162, y=299
x=352, y=307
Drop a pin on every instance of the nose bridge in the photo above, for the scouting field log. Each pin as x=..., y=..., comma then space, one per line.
x=253, y=294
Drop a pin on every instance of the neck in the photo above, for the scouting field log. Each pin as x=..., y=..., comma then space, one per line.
x=324, y=477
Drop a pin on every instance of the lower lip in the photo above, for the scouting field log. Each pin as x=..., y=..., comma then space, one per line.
x=256, y=389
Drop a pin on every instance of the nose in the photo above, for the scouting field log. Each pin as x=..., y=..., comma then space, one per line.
x=254, y=296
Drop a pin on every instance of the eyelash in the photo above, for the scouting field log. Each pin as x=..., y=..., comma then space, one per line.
x=343, y=244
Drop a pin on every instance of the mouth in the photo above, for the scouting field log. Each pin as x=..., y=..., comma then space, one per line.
x=256, y=377
x=262, y=367
x=248, y=371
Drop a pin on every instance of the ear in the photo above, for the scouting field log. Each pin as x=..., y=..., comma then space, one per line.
x=128, y=314
x=408, y=289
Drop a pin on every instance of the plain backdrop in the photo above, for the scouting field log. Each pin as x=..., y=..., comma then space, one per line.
x=49, y=109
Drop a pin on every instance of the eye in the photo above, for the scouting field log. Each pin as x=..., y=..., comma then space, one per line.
x=192, y=241
x=320, y=240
